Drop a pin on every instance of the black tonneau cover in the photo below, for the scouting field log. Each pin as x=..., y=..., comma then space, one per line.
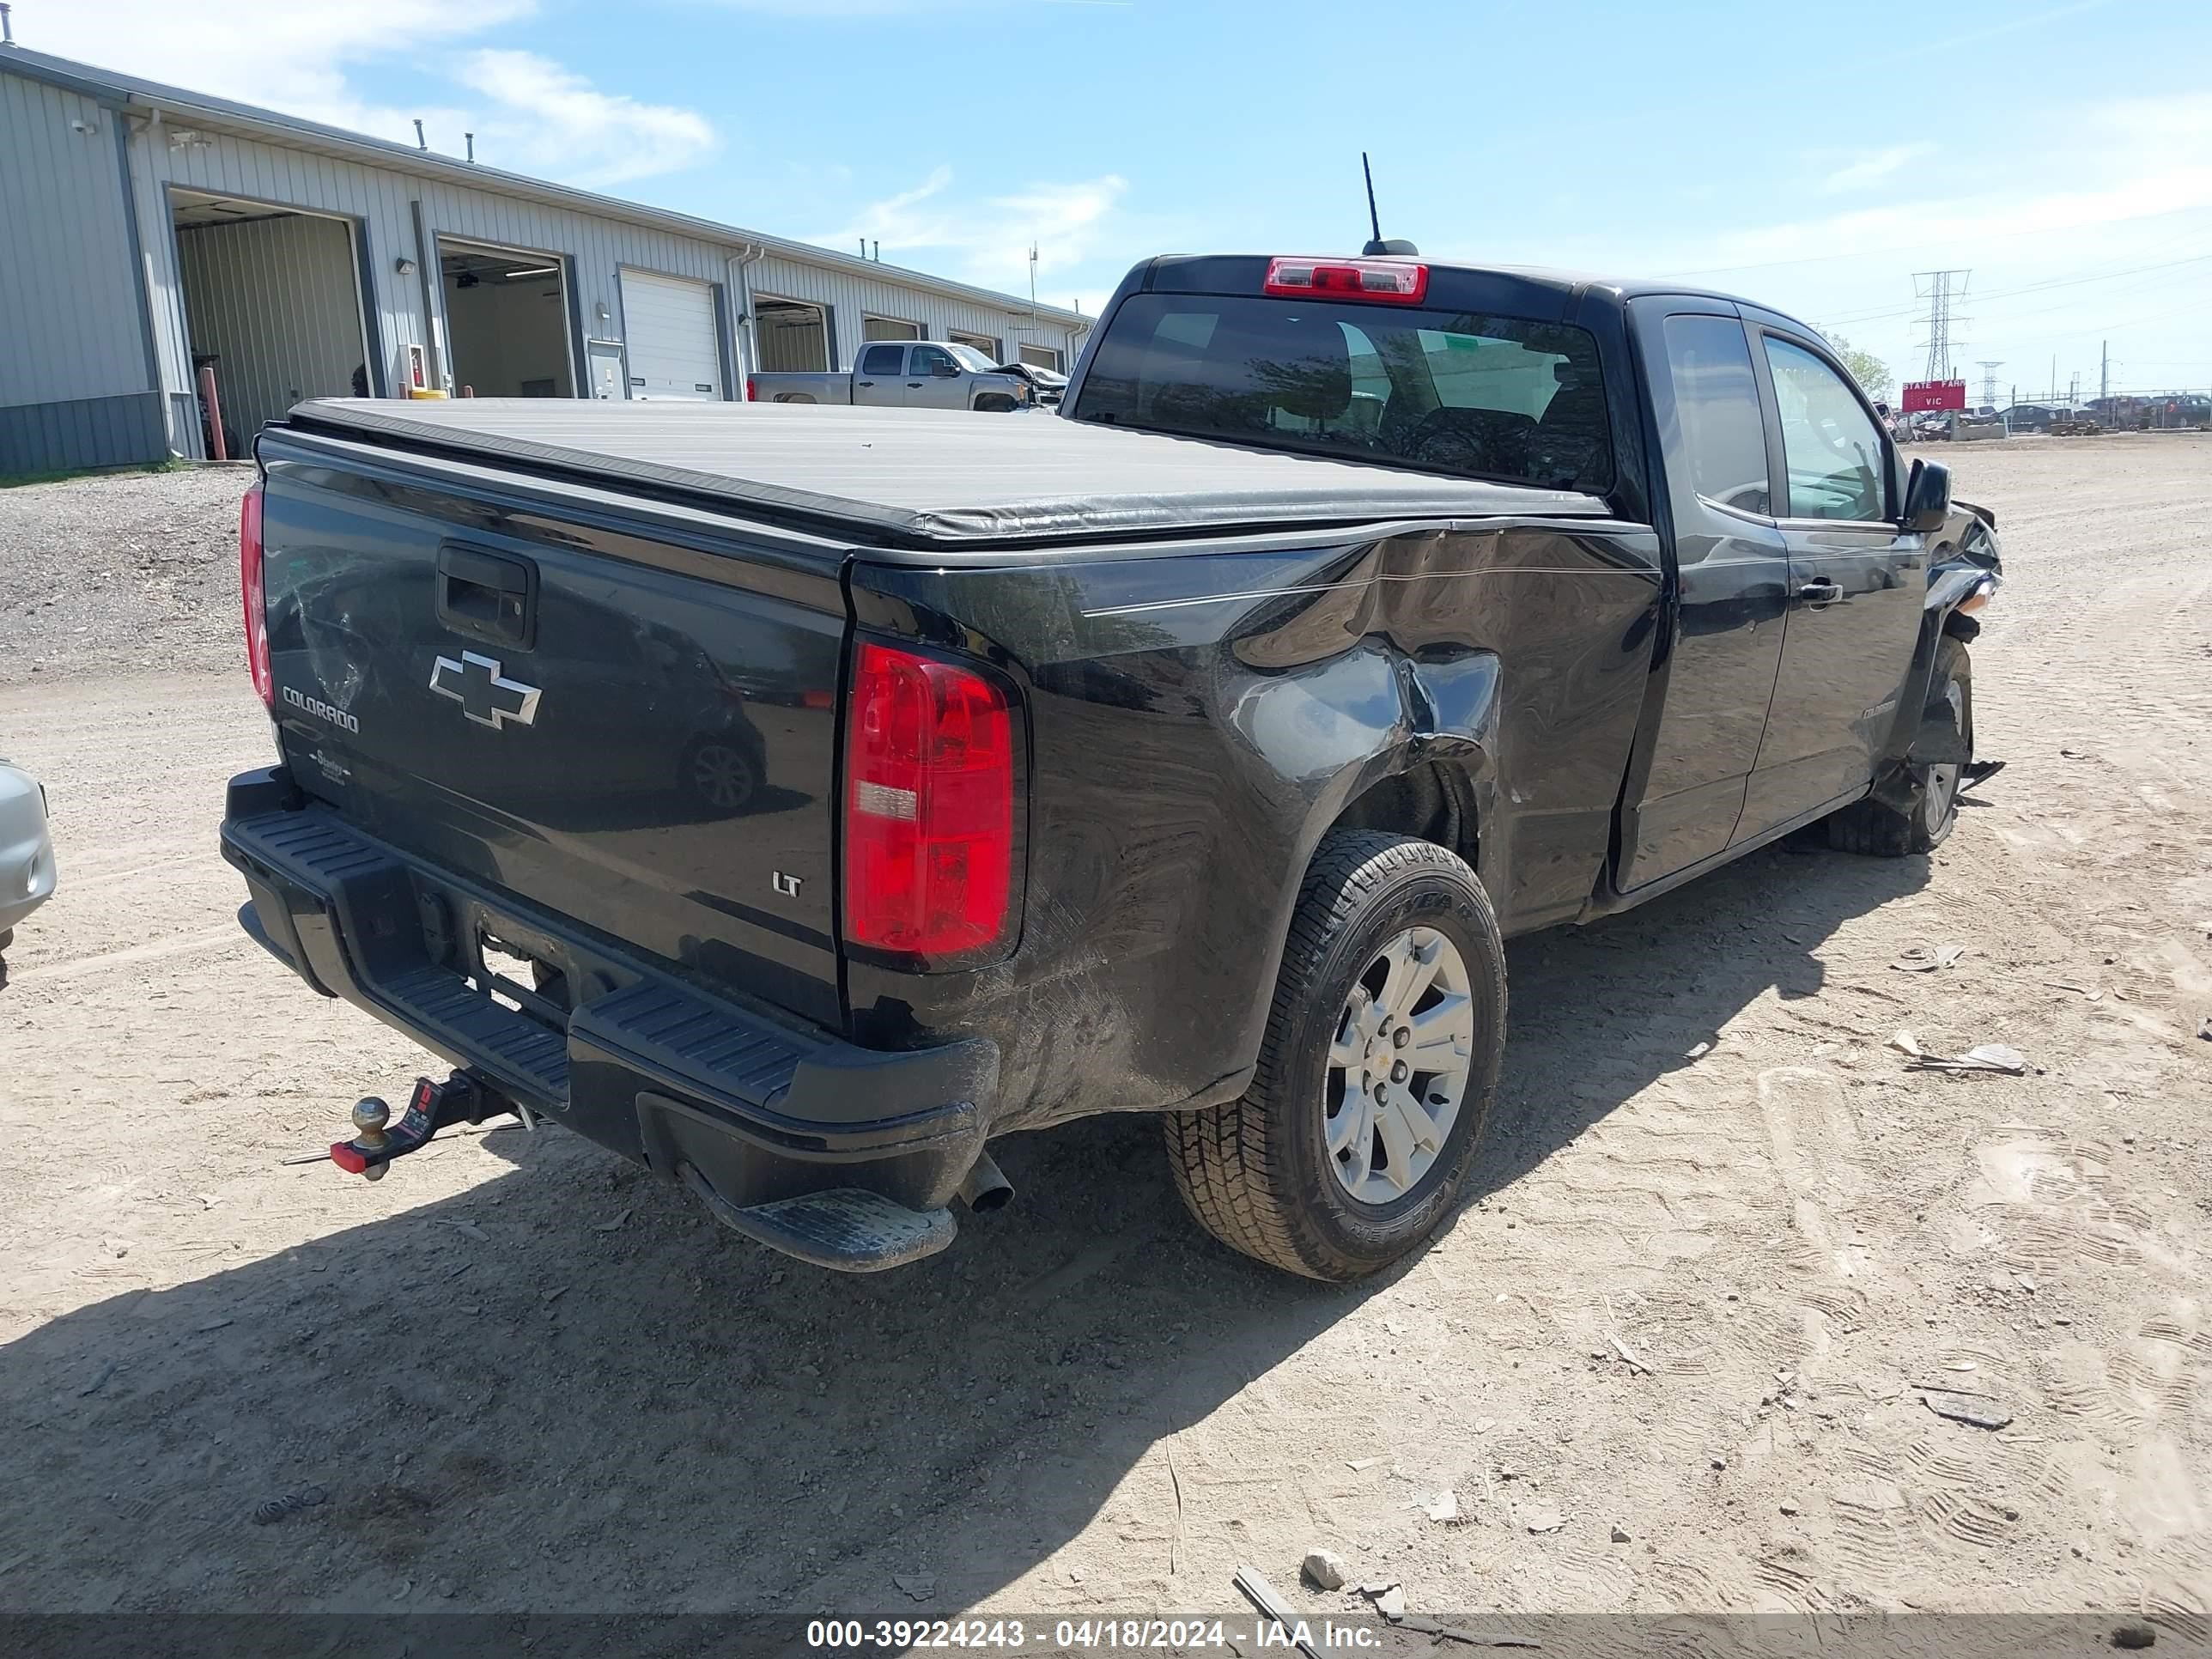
x=935, y=478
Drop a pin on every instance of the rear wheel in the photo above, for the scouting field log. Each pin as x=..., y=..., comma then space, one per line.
x=1881, y=829
x=1376, y=1074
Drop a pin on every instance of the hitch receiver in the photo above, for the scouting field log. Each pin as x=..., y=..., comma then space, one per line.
x=464, y=1097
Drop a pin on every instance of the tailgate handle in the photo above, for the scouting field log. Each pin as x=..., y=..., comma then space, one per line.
x=493, y=595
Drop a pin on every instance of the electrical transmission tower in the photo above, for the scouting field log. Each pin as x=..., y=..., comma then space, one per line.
x=1939, y=289
x=1989, y=366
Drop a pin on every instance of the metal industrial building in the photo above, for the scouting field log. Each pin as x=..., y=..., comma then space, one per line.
x=145, y=229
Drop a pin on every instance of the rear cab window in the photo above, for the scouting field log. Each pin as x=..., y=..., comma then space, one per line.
x=1723, y=435
x=1462, y=393
x=882, y=359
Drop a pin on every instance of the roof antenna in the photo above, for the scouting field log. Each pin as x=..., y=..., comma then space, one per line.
x=1376, y=245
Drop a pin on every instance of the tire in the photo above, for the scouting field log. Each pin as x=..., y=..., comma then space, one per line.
x=993, y=402
x=1258, y=1173
x=1876, y=830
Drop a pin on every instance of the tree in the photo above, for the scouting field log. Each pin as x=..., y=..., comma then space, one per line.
x=1869, y=371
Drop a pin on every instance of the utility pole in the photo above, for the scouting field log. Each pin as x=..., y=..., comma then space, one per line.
x=2104, y=370
x=1936, y=287
x=1989, y=366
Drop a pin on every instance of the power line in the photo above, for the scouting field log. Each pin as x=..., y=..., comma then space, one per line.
x=1879, y=253
x=2036, y=287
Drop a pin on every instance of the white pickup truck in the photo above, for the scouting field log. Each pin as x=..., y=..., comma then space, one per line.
x=904, y=375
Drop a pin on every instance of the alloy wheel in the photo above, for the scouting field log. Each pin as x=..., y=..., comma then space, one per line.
x=1398, y=1066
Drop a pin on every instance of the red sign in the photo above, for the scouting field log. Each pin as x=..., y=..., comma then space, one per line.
x=1922, y=395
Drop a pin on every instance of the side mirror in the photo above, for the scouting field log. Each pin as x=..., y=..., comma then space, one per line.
x=1927, y=497
x=946, y=371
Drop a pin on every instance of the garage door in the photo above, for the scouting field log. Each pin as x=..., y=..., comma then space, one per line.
x=671, y=325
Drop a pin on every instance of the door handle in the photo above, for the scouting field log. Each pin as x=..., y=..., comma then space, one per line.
x=491, y=595
x=913, y=385
x=1820, y=592
x=867, y=383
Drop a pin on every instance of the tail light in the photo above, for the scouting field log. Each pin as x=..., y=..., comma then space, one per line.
x=1391, y=281
x=929, y=806
x=752, y=390
x=251, y=591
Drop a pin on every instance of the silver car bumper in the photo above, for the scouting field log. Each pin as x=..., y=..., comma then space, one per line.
x=26, y=853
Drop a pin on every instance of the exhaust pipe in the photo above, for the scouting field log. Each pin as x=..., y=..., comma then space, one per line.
x=986, y=1186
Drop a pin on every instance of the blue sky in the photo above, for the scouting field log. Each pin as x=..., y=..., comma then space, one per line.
x=1812, y=157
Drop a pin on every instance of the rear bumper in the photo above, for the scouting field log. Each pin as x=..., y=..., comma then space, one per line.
x=764, y=1108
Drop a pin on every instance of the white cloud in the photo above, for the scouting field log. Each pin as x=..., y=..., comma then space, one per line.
x=529, y=113
x=2125, y=164
x=1873, y=169
x=2070, y=235
x=989, y=240
x=2166, y=122
x=546, y=118
x=1954, y=227
x=817, y=11
x=842, y=10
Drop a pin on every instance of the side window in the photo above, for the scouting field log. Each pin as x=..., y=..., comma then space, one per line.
x=1507, y=399
x=1829, y=443
x=1716, y=402
x=930, y=360
x=882, y=359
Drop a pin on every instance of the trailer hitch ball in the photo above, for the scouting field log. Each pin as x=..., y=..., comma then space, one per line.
x=370, y=1114
x=461, y=1098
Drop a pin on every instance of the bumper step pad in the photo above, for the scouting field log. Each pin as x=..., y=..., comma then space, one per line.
x=847, y=1230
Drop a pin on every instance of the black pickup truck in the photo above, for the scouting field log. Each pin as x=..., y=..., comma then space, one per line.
x=795, y=799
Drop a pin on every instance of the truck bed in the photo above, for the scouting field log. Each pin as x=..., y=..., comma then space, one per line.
x=932, y=480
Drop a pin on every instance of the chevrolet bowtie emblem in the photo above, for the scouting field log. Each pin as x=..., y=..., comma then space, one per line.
x=486, y=695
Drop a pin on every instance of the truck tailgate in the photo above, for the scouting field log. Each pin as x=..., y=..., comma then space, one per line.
x=627, y=719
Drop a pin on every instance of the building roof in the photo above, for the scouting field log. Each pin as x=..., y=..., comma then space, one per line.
x=129, y=92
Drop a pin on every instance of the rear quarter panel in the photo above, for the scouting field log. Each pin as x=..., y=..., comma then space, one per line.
x=1200, y=716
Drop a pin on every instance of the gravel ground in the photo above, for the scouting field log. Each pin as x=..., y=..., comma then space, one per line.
x=1677, y=1352
x=149, y=582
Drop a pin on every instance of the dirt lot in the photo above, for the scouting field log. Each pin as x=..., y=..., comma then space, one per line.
x=134, y=572
x=524, y=1376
